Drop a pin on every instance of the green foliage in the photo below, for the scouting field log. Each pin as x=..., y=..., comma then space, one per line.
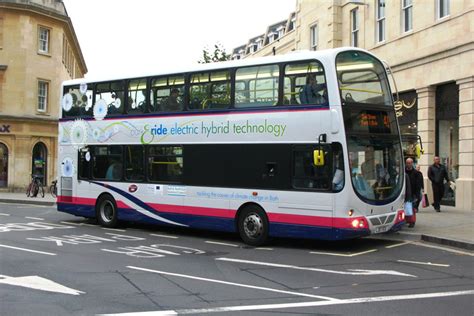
x=219, y=54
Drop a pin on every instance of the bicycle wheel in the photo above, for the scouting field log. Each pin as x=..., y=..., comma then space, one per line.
x=28, y=190
x=41, y=190
x=34, y=190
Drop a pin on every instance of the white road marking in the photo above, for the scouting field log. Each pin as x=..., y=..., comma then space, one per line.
x=38, y=283
x=71, y=223
x=221, y=243
x=342, y=254
x=263, y=248
x=35, y=218
x=232, y=283
x=409, y=233
x=77, y=224
x=425, y=263
x=398, y=245
x=114, y=229
x=444, y=248
x=164, y=236
x=427, y=245
x=298, y=305
x=350, y=272
x=3, y=214
x=29, y=250
x=23, y=206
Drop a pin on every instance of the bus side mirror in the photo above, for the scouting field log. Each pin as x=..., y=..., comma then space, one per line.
x=318, y=157
x=418, y=151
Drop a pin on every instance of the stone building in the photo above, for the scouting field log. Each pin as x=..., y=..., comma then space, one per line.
x=38, y=50
x=429, y=46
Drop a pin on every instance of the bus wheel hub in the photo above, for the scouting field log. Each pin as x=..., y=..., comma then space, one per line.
x=253, y=225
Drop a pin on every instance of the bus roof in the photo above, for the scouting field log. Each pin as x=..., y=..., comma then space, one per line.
x=322, y=55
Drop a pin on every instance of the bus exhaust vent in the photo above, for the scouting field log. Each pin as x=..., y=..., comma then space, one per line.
x=66, y=189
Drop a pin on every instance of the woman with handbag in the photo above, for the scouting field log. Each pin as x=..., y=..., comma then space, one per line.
x=423, y=196
x=415, y=178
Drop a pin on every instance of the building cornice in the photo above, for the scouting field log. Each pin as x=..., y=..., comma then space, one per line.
x=29, y=119
x=36, y=9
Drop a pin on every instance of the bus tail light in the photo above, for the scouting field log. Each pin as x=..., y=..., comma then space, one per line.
x=401, y=216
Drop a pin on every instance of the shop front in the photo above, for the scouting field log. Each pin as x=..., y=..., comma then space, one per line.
x=447, y=135
x=27, y=148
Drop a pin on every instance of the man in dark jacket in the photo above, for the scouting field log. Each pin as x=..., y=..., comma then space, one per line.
x=437, y=173
x=416, y=181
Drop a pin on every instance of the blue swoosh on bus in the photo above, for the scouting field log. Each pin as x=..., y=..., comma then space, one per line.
x=147, y=210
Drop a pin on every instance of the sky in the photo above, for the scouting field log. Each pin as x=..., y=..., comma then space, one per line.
x=119, y=37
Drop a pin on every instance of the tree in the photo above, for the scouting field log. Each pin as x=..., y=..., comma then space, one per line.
x=219, y=54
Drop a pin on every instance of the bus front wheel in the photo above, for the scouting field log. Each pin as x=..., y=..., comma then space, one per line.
x=106, y=210
x=253, y=226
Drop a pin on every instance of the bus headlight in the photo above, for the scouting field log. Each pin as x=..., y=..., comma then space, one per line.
x=358, y=223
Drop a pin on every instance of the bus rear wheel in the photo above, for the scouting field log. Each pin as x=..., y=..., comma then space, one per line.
x=253, y=226
x=106, y=211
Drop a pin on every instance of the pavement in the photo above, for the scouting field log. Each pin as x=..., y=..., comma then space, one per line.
x=451, y=227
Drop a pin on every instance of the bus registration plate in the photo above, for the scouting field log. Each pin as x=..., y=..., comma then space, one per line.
x=382, y=229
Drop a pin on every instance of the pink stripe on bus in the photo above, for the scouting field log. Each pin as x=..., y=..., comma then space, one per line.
x=321, y=221
x=194, y=210
x=336, y=222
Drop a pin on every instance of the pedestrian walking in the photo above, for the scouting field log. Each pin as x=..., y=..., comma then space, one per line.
x=410, y=215
x=415, y=178
x=423, y=196
x=416, y=181
x=437, y=173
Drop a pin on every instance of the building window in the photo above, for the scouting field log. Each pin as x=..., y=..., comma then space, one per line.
x=407, y=15
x=380, y=20
x=259, y=43
x=281, y=31
x=43, y=40
x=442, y=7
x=43, y=87
x=272, y=36
x=291, y=25
x=314, y=37
x=355, y=27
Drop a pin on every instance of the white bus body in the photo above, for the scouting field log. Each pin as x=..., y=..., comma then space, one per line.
x=206, y=145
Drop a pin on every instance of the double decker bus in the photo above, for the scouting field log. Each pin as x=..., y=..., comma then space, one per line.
x=303, y=145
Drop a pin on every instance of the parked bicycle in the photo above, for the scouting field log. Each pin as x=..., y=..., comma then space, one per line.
x=35, y=187
x=53, y=189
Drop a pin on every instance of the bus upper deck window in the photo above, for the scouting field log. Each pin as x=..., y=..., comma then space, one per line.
x=305, y=83
x=77, y=100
